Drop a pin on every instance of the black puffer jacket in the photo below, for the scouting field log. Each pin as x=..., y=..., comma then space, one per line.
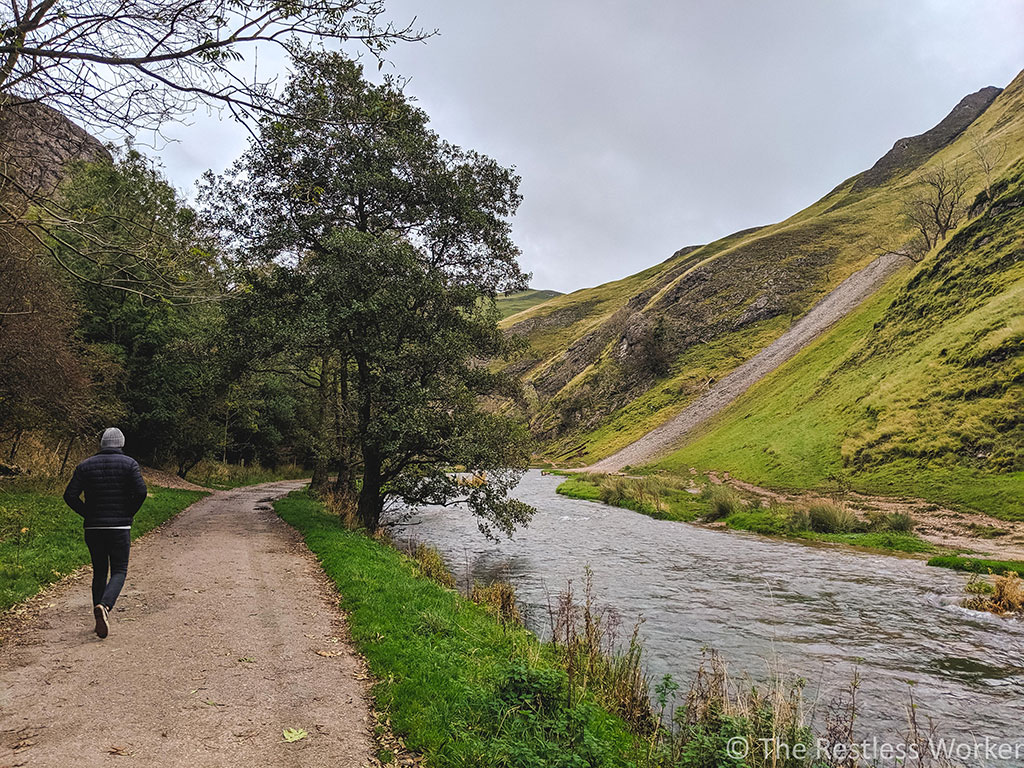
x=113, y=486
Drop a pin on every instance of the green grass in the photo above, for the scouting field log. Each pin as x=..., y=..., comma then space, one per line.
x=580, y=488
x=223, y=477
x=728, y=506
x=41, y=539
x=976, y=565
x=649, y=496
x=512, y=303
x=893, y=403
x=456, y=685
x=891, y=541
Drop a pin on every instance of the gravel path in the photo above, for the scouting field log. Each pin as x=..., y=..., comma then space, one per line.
x=845, y=298
x=226, y=634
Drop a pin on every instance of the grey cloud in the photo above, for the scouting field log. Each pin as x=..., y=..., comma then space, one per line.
x=640, y=127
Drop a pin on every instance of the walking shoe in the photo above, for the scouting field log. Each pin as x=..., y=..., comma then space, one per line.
x=102, y=625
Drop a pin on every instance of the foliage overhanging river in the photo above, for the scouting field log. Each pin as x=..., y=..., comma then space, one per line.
x=817, y=612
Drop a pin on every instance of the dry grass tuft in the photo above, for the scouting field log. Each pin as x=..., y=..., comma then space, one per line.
x=499, y=598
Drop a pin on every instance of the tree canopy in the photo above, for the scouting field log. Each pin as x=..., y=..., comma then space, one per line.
x=373, y=250
x=130, y=65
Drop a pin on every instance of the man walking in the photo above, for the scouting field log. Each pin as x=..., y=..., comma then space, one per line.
x=114, y=492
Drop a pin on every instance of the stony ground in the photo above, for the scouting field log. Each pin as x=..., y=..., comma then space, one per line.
x=225, y=636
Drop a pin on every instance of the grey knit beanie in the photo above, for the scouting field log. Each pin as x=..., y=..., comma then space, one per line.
x=112, y=438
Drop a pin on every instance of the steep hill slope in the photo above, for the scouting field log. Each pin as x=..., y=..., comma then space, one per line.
x=920, y=391
x=512, y=303
x=36, y=145
x=844, y=299
x=609, y=364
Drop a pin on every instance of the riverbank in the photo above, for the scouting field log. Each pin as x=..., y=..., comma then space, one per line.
x=699, y=499
x=956, y=539
x=459, y=686
x=41, y=539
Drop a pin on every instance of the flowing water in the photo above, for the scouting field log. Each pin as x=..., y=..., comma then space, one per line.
x=814, y=611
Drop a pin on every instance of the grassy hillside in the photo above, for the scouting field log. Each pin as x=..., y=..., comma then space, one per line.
x=608, y=364
x=920, y=392
x=512, y=303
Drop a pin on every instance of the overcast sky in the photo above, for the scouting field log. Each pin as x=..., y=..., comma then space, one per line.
x=640, y=126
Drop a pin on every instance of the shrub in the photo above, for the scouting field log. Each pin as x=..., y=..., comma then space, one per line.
x=1008, y=593
x=716, y=710
x=588, y=642
x=799, y=520
x=1004, y=595
x=724, y=502
x=343, y=506
x=831, y=518
x=898, y=522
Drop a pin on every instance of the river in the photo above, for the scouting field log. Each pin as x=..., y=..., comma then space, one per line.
x=818, y=612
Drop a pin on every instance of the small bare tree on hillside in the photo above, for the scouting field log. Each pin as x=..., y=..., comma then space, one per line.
x=988, y=157
x=934, y=207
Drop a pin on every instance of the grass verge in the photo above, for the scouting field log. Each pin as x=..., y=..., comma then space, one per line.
x=652, y=496
x=456, y=684
x=41, y=539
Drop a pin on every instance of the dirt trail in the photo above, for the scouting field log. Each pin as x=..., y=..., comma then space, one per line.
x=212, y=653
x=839, y=303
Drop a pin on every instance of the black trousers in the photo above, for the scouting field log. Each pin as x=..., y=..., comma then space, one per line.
x=109, y=550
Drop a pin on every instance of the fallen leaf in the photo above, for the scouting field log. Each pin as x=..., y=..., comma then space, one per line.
x=248, y=659
x=294, y=734
x=329, y=654
x=212, y=703
x=122, y=751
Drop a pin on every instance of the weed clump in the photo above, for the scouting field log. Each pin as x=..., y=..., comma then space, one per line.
x=431, y=565
x=897, y=522
x=1004, y=595
x=588, y=642
x=831, y=518
x=498, y=598
x=724, y=502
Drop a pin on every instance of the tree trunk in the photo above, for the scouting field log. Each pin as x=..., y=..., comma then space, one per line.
x=67, y=453
x=14, y=446
x=321, y=460
x=345, y=484
x=371, y=504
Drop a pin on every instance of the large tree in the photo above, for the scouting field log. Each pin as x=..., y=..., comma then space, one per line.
x=379, y=247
